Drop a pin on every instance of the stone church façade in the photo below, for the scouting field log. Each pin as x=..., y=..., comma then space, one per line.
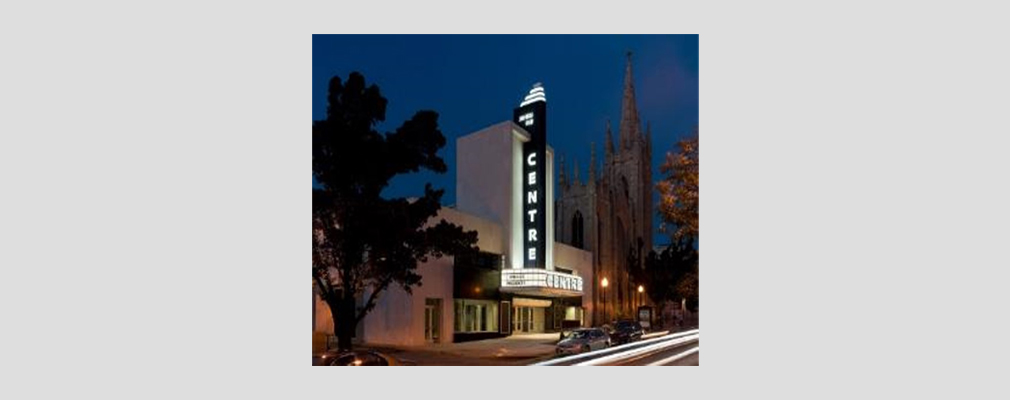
x=610, y=212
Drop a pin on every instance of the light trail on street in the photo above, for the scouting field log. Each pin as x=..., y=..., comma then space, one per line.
x=673, y=349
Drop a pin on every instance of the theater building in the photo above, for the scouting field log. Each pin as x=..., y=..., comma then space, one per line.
x=522, y=281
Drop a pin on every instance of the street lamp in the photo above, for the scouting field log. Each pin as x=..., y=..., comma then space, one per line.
x=641, y=297
x=604, y=283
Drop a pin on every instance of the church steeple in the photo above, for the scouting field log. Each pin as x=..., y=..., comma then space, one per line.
x=629, y=130
x=592, y=163
x=561, y=174
x=577, y=180
x=610, y=142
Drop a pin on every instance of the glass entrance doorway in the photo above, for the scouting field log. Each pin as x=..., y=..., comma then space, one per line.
x=527, y=319
x=523, y=319
x=431, y=320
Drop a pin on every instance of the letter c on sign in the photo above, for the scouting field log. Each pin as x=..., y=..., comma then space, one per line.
x=529, y=159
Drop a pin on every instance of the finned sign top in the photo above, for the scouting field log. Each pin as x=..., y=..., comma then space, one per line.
x=536, y=94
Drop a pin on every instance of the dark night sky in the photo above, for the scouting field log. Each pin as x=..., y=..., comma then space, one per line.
x=475, y=81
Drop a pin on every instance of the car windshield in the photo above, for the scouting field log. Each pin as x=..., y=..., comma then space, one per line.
x=579, y=335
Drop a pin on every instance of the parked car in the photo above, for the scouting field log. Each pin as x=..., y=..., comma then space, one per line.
x=358, y=358
x=626, y=331
x=567, y=326
x=583, y=340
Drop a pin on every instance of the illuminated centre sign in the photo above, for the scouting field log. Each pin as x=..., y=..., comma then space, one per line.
x=526, y=278
x=531, y=115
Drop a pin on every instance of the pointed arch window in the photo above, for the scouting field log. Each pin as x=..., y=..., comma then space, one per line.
x=578, y=234
x=624, y=184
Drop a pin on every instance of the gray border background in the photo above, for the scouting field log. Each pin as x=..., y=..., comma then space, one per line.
x=154, y=162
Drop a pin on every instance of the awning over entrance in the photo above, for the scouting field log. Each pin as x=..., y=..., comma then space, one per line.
x=525, y=302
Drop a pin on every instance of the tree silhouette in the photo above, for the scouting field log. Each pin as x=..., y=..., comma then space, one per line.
x=671, y=275
x=361, y=242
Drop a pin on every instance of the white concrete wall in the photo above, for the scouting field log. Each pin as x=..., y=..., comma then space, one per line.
x=490, y=235
x=581, y=262
x=515, y=236
x=489, y=183
x=398, y=317
x=484, y=173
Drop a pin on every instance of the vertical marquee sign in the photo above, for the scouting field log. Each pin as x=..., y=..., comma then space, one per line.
x=532, y=116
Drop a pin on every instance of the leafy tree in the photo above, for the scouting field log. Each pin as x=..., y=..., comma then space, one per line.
x=678, y=190
x=361, y=242
x=672, y=275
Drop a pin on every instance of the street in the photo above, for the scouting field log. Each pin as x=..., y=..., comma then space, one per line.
x=680, y=355
x=659, y=348
x=670, y=349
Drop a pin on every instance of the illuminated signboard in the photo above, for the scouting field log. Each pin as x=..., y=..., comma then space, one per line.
x=531, y=115
x=526, y=278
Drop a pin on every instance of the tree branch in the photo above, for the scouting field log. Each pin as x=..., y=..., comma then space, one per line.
x=370, y=304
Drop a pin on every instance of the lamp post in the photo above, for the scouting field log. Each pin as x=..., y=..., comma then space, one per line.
x=634, y=303
x=604, y=284
x=641, y=298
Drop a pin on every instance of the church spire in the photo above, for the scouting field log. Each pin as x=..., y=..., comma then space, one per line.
x=561, y=175
x=610, y=141
x=629, y=111
x=592, y=163
x=577, y=180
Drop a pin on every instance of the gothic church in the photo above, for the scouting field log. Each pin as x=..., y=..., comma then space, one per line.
x=611, y=213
